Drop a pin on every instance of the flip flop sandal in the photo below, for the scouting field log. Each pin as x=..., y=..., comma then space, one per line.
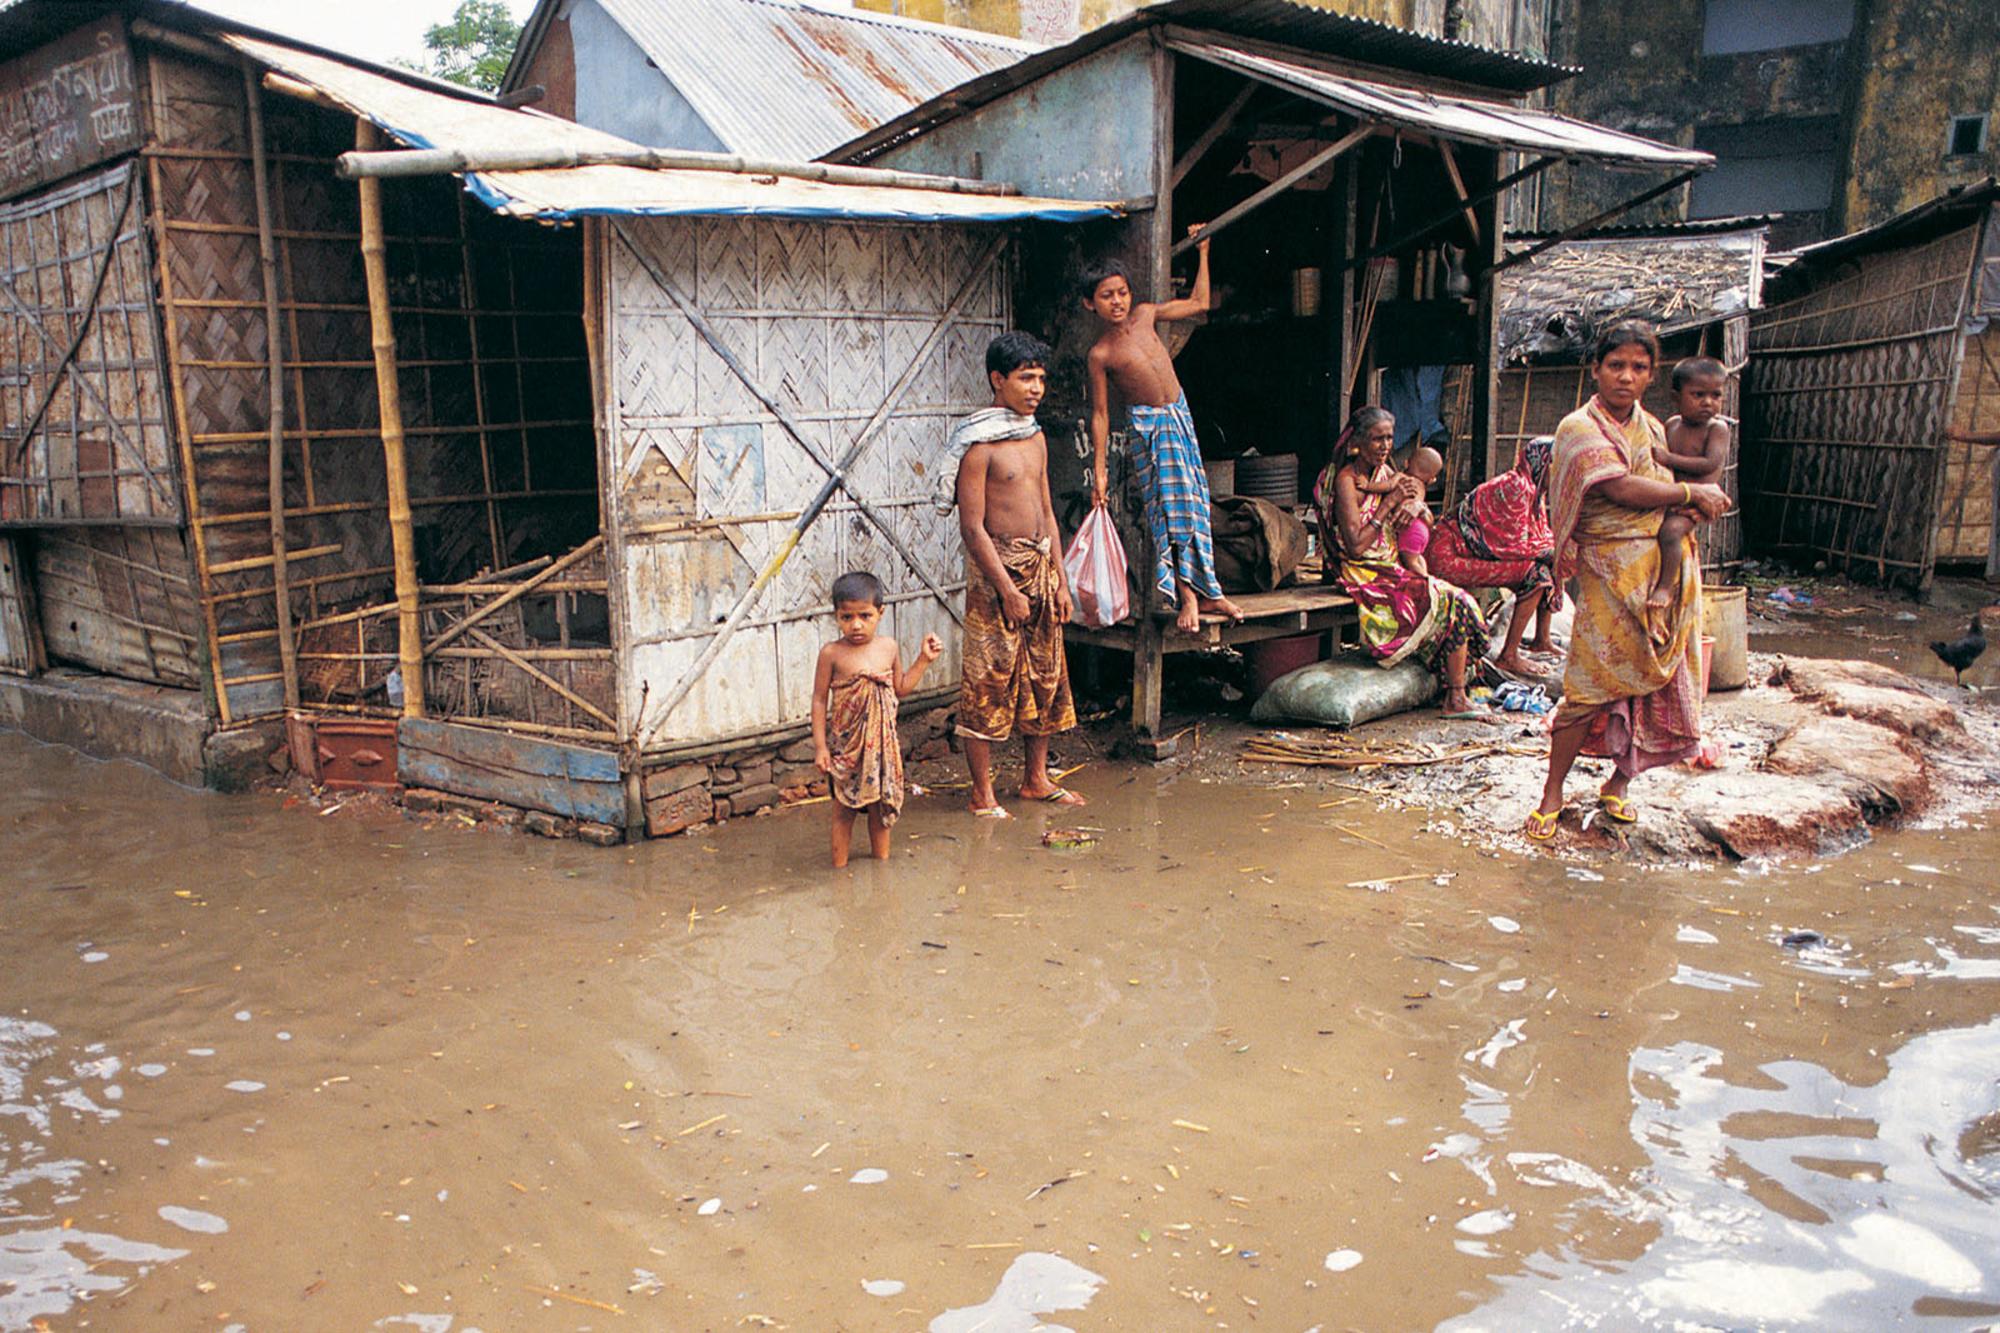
x=1542, y=827
x=991, y=812
x=1618, y=809
x=1060, y=796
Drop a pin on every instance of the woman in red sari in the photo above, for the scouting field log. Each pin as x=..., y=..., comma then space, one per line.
x=1499, y=537
x=1403, y=614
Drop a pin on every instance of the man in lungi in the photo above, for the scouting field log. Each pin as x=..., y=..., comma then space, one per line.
x=1130, y=357
x=1015, y=677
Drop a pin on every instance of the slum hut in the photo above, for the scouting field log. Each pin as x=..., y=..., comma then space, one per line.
x=534, y=481
x=784, y=79
x=1697, y=282
x=1869, y=347
x=1351, y=174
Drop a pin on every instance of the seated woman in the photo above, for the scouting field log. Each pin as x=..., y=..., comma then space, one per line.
x=1630, y=691
x=1499, y=537
x=1403, y=613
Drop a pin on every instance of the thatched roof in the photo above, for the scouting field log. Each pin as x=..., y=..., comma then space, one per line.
x=1553, y=306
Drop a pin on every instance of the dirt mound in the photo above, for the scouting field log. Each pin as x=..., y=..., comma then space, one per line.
x=1872, y=693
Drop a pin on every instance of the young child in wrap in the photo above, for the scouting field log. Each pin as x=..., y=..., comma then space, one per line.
x=1411, y=520
x=856, y=687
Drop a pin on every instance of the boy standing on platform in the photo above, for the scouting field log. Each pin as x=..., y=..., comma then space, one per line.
x=1129, y=356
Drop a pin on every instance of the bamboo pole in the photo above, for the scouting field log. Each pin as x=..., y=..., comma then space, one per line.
x=382, y=336
x=267, y=258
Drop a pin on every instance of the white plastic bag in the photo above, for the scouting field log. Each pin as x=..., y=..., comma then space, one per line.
x=1095, y=566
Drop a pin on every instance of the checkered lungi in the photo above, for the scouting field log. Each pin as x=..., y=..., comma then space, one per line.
x=1168, y=458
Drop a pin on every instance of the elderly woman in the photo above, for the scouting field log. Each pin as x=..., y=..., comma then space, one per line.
x=1630, y=691
x=1403, y=613
x=1499, y=537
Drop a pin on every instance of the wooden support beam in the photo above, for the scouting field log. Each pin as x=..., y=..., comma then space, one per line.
x=274, y=351
x=1278, y=186
x=1208, y=137
x=457, y=161
x=1439, y=219
x=1458, y=187
x=382, y=337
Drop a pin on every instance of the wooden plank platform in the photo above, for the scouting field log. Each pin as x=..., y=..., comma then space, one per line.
x=574, y=781
x=1307, y=609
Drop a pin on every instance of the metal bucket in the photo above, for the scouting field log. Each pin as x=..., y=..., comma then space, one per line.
x=1273, y=477
x=1725, y=618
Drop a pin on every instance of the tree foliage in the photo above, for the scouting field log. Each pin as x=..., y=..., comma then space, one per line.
x=473, y=48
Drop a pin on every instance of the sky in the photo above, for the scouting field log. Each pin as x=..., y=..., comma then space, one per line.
x=382, y=30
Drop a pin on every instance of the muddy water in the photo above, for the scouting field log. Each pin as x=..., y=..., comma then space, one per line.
x=264, y=1070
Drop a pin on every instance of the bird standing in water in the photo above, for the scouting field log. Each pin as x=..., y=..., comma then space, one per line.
x=1962, y=652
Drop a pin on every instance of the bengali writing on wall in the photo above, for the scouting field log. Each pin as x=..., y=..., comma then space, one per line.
x=66, y=106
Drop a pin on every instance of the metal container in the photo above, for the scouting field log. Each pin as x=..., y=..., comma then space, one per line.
x=1725, y=617
x=1221, y=477
x=344, y=752
x=1273, y=477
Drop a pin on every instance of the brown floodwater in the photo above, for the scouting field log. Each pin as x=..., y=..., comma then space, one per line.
x=1230, y=1067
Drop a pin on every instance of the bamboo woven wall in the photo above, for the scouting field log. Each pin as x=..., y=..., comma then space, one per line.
x=1849, y=393
x=1534, y=399
x=75, y=271
x=492, y=371
x=1966, y=534
x=705, y=481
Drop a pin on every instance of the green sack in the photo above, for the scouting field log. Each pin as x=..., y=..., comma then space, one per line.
x=1346, y=692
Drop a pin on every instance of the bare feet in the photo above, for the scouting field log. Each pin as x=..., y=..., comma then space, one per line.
x=1660, y=598
x=1516, y=665
x=1541, y=647
x=1188, y=621
x=1221, y=606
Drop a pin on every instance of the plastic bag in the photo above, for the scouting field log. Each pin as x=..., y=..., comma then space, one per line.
x=1095, y=567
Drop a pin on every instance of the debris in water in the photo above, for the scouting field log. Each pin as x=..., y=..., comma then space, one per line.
x=709, y=1208
x=1506, y=925
x=868, y=1175
x=1802, y=939
x=882, y=1286
x=1341, y=1260
x=1069, y=839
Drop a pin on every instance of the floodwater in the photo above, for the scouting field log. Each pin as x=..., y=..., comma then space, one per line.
x=262, y=1070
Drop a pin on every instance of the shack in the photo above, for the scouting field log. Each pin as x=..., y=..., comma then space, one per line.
x=1869, y=348
x=1352, y=174
x=485, y=486
x=1697, y=282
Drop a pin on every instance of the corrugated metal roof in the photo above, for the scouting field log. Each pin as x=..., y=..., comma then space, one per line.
x=785, y=79
x=1460, y=119
x=1302, y=27
x=426, y=119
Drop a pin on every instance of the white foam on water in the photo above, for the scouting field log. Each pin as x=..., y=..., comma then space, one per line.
x=244, y=1085
x=1506, y=925
x=1507, y=1037
x=1033, y=1285
x=1908, y=1250
x=1339, y=1261
x=241, y=1015
x=1513, y=984
x=882, y=1286
x=151, y=1071
x=1923, y=869
x=113, y=1093
x=868, y=1175
x=1715, y=981
x=284, y=1036
x=423, y=1323
x=1738, y=1290
x=709, y=1208
x=203, y=1051
x=49, y=1270
x=95, y=956
x=1490, y=1222
x=1694, y=935
x=193, y=1219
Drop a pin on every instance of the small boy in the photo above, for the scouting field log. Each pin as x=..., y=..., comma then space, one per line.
x=855, y=689
x=1128, y=356
x=1414, y=537
x=1697, y=449
x=1015, y=676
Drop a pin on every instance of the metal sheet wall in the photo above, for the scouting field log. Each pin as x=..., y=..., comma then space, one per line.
x=19, y=648
x=119, y=600
x=83, y=409
x=703, y=481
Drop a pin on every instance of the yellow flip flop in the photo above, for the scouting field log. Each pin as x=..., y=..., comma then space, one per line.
x=1617, y=809
x=1542, y=827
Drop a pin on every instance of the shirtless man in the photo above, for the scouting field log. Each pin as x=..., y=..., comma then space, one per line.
x=1130, y=357
x=1015, y=676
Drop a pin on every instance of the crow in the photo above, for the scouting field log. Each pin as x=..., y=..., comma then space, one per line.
x=1962, y=652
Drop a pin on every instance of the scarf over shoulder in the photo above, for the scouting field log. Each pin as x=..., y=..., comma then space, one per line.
x=989, y=425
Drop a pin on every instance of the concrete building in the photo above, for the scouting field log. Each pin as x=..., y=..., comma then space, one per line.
x=1836, y=114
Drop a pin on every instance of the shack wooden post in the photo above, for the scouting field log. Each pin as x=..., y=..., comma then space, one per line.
x=382, y=336
x=267, y=256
